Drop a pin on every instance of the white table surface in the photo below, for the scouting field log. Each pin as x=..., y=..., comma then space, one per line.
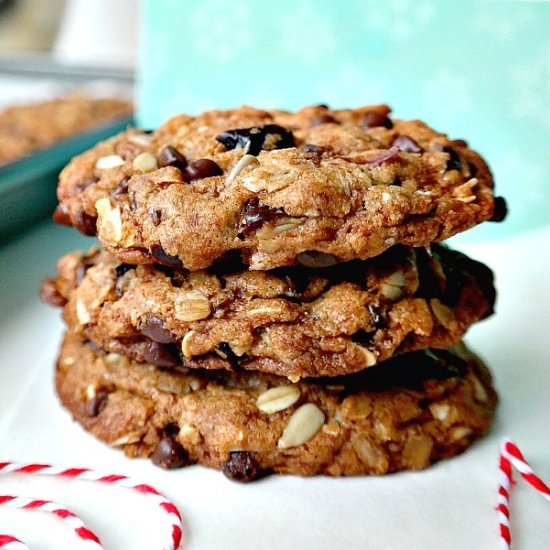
x=449, y=506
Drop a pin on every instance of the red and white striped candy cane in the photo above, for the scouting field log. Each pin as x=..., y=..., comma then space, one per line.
x=172, y=538
x=9, y=542
x=510, y=456
x=70, y=518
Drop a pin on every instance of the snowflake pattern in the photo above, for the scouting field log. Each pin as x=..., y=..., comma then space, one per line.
x=480, y=69
x=400, y=19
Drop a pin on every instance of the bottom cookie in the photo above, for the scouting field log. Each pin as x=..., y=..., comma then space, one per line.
x=413, y=410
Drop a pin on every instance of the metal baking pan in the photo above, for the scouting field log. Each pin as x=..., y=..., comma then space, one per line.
x=28, y=186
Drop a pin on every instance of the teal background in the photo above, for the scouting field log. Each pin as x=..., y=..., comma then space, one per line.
x=474, y=69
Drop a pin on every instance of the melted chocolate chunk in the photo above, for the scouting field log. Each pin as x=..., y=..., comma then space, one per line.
x=169, y=454
x=241, y=466
x=409, y=370
x=200, y=169
x=257, y=138
x=85, y=223
x=161, y=355
x=154, y=329
x=376, y=120
x=255, y=215
x=97, y=403
x=314, y=258
x=170, y=156
x=501, y=210
x=407, y=144
x=162, y=257
x=323, y=119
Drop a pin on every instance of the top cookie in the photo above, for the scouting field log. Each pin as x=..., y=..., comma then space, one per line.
x=314, y=187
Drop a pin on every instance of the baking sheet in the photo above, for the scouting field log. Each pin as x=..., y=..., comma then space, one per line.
x=449, y=506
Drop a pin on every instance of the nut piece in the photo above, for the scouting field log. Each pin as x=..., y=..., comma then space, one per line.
x=246, y=160
x=370, y=357
x=442, y=313
x=392, y=286
x=375, y=459
x=440, y=411
x=145, y=162
x=191, y=305
x=110, y=161
x=480, y=393
x=277, y=399
x=186, y=344
x=125, y=439
x=82, y=313
x=109, y=221
x=417, y=451
x=459, y=432
x=302, y=426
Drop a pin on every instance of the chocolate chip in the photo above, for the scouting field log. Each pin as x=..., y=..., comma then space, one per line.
x=162, y=257
x=121, y=269
x=323, y=119
x=97, y=403
x=375, y=120
x=61, y=215
x=169, y=453
x=363, y=337
x=241, y=466
x=201, y=168
x=153, y=328
x=79, y=187
x=454, y=160
x=50, y=295
x=170, y=156
x=156, y=215
x=224, y=350
x=501, y=210
x=161, y=355
x=256, y=138
x=255, y=215
x=314, y=258
x=376, y=318
x=407, y=144
x=297, y=281
x=85, y=223
x=121, y=188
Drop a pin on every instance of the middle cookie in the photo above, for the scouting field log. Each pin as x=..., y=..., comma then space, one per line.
x=293, y=322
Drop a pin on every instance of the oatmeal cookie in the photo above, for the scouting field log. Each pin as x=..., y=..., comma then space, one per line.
x=313, y=188
x=293, y=322
x=26, y=128
x=421, y=407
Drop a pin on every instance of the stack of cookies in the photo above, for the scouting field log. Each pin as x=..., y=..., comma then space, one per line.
x=270, y=296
